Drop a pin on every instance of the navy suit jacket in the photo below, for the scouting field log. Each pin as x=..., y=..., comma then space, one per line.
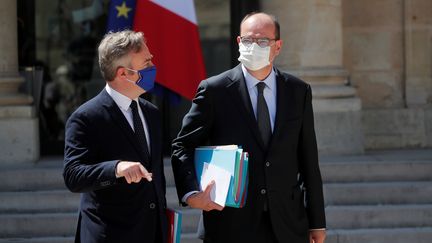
x=221, y=114
x=98, y=136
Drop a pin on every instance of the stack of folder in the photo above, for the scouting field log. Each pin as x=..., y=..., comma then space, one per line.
x=234, y=160
x=174, y=225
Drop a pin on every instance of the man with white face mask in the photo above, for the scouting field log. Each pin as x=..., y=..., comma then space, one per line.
x=268, y=113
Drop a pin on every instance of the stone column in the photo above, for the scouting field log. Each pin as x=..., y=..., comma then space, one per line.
x=19, y=136
x=313, y=50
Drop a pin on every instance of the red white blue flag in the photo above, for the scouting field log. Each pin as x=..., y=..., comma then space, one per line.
x=171, y=30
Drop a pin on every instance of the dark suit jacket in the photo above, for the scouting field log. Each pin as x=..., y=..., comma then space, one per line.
x=221, y=114
x=97, y=137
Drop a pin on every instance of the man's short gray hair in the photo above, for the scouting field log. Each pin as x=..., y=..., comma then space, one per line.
x=114, y=48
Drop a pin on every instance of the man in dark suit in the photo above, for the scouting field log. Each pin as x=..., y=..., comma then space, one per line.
x=268, y=113
x=113, y=150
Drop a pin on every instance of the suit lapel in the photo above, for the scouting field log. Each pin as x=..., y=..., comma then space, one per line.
x=238, y=91
x=121, y=121
x=284, y=102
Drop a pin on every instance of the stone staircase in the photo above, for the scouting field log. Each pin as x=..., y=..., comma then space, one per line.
x=379, y=197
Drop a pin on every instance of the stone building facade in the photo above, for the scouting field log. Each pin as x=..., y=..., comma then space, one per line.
x=369, y=63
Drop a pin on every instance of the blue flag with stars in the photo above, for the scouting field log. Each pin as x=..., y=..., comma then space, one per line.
x=121, y=15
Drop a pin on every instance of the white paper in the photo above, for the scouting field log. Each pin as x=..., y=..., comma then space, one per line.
x=222, y=179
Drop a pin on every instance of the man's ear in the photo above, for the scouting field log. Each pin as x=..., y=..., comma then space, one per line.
x=238, y=39
x=120, y=72
x=278, y=46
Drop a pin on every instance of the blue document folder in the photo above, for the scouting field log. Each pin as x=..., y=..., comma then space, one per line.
x=234, y=160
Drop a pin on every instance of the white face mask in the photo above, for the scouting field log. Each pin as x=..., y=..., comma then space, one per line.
x=254, y=57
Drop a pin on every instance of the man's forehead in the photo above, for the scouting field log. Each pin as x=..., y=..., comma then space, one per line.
x=256, y=24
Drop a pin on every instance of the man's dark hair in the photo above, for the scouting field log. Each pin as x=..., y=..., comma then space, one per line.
x=275, y=21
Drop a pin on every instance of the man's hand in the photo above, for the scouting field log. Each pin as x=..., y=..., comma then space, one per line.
x=132, y=171
x=202, y=200
x=317, y=236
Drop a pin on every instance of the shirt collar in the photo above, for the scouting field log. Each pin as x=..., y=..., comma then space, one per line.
x=121, y=100
x=251, y=81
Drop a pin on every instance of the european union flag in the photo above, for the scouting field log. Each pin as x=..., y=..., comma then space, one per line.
x=121, y=15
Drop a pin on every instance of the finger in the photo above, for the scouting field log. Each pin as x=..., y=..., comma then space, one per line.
x=215, y=206
x=143, y=170
x=209, y=188
x=149, y=176
x=128, y=178
x=137, y=178
x=134, y=176
x=145, y=174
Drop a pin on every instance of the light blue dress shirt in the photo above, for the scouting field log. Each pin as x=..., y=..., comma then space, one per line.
x=269, y=92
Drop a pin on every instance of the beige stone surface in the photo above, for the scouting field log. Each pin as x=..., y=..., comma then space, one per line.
x=369, y=51
x=374, y=51
x=339, y=132
x=19, y=129
x=9, y=40
x=19, y=140
x=7, y=112
x=418, y=39
x=428, y=126
x=213, y=18
x=311, y=30
x=379, y=89
x=372, y=13
x=396, y=128
x=342, y=105
x=419, y=12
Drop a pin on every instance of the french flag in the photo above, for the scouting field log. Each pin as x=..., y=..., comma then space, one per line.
x=171, y=30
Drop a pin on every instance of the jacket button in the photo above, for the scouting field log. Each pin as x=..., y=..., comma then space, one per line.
x=152, y=205
x=263, y=191
x=267, y=164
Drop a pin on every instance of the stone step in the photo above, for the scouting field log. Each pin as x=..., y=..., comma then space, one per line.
x=361, y=216
x=39, y=201
x=55, y=201
x=53, y=239
x=172, y=199
x=365, y=193
x=46, y=177
x=338, y=217
x=374, y=171
x=169, y=176
x=185, y=238
x=64, y=224
x=31, y=178
x=38, y=225
x=379, y=216
x=394, y=235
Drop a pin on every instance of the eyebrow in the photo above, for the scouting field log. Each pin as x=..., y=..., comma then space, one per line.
x=146, y=61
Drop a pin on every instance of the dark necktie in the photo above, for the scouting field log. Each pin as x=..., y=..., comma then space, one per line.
x=263, y=117
x=139, y=129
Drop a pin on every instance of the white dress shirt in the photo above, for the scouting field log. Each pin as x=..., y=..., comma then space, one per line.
x=124, y=102
x=269, y=92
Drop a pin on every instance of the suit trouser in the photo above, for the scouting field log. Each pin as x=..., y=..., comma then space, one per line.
x=264, y=233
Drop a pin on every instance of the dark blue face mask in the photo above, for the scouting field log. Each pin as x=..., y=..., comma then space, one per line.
x=146, y=78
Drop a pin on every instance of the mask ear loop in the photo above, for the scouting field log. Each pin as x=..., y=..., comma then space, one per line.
x=136, y=71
